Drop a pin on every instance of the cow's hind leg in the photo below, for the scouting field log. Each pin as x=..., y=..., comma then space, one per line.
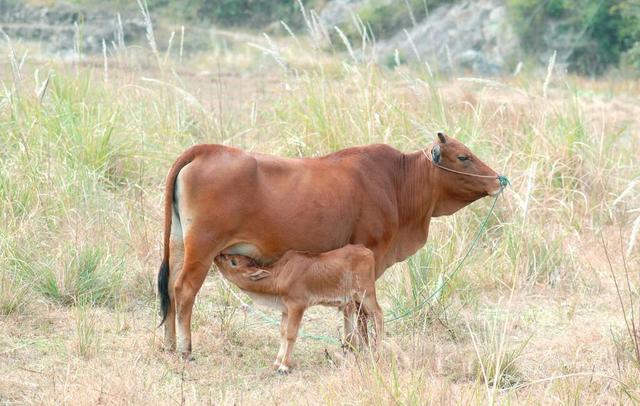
x=198, y=257
x=176, y=259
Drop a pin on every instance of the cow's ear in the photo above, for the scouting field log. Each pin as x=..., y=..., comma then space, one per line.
x=443, y=138
x=435, y=154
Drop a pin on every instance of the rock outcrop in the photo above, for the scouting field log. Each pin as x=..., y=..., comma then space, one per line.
x=468, y=35
x=55, y=26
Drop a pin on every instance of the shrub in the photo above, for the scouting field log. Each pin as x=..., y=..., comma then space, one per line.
x=13, y=295
x=89, y=277
x=232, y=12
x=597, y=32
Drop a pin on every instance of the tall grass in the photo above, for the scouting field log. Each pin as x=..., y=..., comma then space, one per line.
x=496, y=364
x=87, y=339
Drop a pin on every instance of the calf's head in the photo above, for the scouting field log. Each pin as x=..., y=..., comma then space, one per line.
x=465, y=176
x=234, y=262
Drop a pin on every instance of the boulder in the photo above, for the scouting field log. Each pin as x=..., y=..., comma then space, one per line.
x=467, y=35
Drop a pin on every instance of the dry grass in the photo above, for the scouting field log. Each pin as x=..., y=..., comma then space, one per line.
x=533, y=317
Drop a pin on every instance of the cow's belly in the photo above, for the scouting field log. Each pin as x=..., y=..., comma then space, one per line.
x=266, y=300
x=266, y=249
x=253, y=250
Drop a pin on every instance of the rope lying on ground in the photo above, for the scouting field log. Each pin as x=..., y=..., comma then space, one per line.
x=504, y=182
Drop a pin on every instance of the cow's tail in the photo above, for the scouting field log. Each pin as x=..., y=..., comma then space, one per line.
x=169, y=198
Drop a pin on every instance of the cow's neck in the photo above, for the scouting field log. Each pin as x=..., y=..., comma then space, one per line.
x=416, y=192
x=421, y=196
x=415, y=199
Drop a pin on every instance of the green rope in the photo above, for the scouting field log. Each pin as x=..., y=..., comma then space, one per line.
x=504, y=182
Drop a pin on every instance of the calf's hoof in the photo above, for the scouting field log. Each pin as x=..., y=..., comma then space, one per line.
x=284, y=370
x=167, y=348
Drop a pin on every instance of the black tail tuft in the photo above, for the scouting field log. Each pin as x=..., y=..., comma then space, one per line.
x=163, y=290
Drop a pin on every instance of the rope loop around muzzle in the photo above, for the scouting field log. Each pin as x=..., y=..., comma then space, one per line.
x=504, y=182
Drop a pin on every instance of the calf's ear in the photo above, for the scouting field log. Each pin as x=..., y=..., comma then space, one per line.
x=443, y=138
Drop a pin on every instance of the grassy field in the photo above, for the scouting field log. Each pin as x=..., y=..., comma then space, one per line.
x=544, y=311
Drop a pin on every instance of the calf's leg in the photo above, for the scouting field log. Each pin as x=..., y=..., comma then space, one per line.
x=283, y=341
x=293, y=325
x=350, y=334
x=363, y=320
x=372, y=308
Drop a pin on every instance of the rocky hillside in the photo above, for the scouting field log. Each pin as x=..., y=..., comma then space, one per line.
x=470, y=35
x=482, y=37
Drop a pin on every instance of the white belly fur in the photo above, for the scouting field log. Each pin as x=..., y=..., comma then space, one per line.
x=337, y=301
x=266, y=300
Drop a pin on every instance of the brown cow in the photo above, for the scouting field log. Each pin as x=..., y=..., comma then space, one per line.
x=221, y=199
x=344, y=277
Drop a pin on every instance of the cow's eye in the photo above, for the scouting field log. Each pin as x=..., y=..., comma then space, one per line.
x=463, y=158
x=233, y=262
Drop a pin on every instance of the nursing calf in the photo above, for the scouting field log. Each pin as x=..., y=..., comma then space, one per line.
x=343, y=278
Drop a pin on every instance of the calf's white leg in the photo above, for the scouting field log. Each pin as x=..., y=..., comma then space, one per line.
x=283, y=341
x=293, y=325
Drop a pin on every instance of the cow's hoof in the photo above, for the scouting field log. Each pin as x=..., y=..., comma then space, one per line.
x=187, y=356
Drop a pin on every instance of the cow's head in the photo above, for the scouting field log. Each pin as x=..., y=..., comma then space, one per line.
x=465, y=176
